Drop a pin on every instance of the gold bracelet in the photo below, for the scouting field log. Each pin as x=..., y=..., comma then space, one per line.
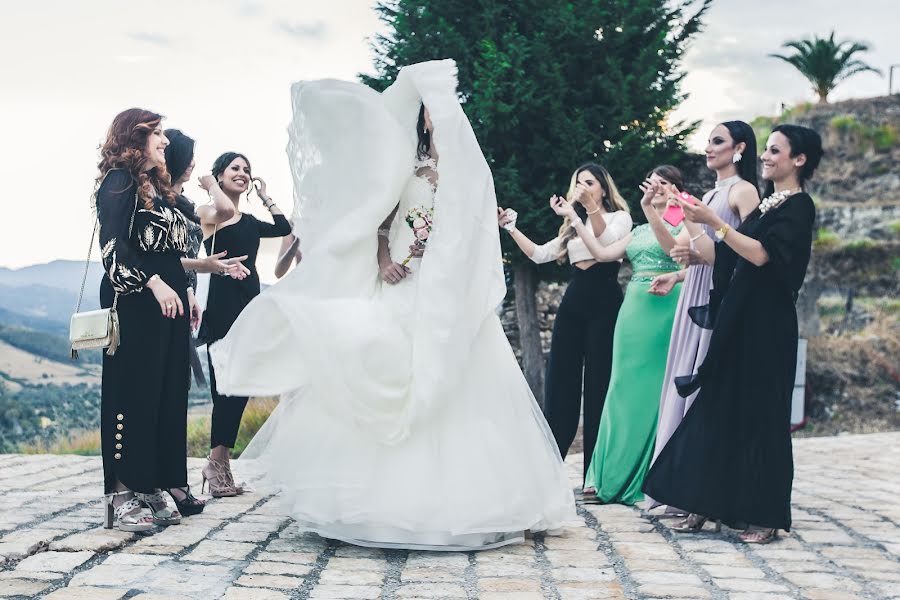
x=596, y=210
x=698, y=236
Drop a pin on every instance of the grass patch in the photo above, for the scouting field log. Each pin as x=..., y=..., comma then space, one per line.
x=255, y=416
x=83, y=443
x=87, y=442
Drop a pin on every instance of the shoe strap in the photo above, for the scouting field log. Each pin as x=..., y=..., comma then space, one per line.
x=126, y=507
x=154, y=498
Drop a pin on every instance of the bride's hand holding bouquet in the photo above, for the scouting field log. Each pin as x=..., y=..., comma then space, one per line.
x=421, y=221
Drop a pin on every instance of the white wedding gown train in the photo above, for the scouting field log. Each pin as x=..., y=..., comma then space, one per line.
x=405, y=420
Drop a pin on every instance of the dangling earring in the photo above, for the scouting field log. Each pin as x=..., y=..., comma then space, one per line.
x=737, y=157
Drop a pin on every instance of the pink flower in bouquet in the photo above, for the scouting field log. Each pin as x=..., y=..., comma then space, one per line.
x=419, y=220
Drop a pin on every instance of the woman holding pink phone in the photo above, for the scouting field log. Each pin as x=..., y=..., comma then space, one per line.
x=621, y=456
x=731, y=153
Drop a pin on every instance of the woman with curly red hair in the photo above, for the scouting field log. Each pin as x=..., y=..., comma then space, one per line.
x=143, y=410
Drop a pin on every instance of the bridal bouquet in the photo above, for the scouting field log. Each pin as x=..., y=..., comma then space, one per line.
x=420, y=219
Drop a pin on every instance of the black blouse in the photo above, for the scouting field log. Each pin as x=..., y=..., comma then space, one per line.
x=123, y=243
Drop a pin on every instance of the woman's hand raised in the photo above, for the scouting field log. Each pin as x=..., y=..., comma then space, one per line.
x=562, y=207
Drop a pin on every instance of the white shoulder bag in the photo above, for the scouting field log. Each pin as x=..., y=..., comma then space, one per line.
x=96, y=328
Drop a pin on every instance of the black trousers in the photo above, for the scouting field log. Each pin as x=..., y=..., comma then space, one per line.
x=143, y=409
x=581, y=348
x=226, y=414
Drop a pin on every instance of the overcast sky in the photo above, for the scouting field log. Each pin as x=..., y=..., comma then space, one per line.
x=221, y=70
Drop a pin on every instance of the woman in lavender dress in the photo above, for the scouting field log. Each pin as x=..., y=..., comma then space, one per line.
x=731, y=153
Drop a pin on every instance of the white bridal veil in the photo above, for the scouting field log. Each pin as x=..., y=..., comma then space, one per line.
x=327, y=331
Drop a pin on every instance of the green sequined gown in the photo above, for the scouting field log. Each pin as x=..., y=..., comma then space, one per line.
x=640, y=347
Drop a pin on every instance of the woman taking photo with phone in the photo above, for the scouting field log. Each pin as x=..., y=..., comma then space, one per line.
x=731, y=153
x=239, y=236
x=581, y=346
x=730, y=460
x=640, y=345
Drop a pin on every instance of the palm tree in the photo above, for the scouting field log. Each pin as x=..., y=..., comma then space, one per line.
x=825, y=63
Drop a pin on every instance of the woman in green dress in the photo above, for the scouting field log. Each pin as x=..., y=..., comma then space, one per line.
x=640, y=346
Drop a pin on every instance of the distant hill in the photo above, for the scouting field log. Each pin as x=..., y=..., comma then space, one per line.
x=43, y=297
x=64, y=274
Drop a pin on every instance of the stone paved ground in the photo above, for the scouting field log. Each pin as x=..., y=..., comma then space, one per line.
x=845, y=545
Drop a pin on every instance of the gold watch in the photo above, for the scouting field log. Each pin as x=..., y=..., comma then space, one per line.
x=722, y=231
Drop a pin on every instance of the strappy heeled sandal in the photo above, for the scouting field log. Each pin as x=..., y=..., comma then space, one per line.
x=589, y=496
x=218, y=475
x=187, y=505
x=758, y=535
x=159, y=507
x=694, y=524
x=128, y=516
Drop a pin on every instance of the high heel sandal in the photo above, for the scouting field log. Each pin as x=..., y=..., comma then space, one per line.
x=589, y=496
x=758, y=535
x=128, y=516
x=162, y=515
x=218, y=475
x=188, y=505
x=694, y=524
x=238, y=488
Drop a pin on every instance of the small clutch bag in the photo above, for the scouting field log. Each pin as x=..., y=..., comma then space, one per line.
x=94, y=329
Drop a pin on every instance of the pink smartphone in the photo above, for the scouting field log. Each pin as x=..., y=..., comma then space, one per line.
x=674, y=215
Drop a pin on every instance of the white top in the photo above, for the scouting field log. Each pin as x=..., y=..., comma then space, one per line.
x=618, y=225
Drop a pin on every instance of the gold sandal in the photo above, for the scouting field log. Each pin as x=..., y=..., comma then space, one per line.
x=218, y=475
x=694, y=524
x=758, y=535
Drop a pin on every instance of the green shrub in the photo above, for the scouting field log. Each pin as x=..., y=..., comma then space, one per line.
x=883, y=138
x=826, y=239
x=845, y=124
x=762, y=127
x=857, y=245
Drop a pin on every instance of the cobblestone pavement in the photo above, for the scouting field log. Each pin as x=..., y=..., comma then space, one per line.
x=845, y=545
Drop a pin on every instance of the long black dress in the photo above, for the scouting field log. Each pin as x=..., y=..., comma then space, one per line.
x=227, y=298
x=731, y=457
x=195, y=240
x=143, y=411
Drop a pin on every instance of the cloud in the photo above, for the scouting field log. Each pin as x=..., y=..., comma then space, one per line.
x=250, y=8
x=304, y=31
x=132, y=58
x=153, y=39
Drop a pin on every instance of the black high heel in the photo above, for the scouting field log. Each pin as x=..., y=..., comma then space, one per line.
x=189, y=505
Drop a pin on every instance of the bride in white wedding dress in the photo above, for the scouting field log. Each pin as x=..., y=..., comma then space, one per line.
x=405, y=420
